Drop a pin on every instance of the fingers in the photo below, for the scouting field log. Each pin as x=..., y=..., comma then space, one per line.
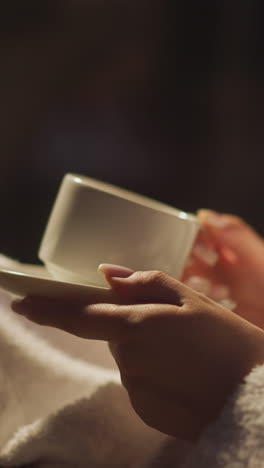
x=108, y=322
x=96, y=321
x=143, y=292
x=207, y=281
x=237, y=241
x=145, y=286
x=204, y=249
x=239, y=268
x=202, y=273
x=112, y=271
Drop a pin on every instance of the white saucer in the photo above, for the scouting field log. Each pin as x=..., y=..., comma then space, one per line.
x=33, y=280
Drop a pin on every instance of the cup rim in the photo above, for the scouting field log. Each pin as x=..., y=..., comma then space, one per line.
x=131, y=196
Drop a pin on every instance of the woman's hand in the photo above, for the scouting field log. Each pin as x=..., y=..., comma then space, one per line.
x=180, y=354
x=230, y=255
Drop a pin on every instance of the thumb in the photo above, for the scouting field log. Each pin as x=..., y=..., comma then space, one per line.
x=144, y=286
x=235, y=239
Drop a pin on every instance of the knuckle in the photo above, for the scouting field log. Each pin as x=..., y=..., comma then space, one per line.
x=156, y=276
x=152, y=277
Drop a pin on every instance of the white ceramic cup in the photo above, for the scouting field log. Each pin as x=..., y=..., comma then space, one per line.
x=93, y=222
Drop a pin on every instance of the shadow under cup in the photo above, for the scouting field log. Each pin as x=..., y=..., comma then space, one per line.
x=93, y=222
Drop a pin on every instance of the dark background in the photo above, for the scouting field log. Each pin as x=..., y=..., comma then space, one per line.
x=158, y=96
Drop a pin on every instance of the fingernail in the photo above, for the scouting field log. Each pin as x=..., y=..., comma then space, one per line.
x=213, y=219
x=115, y=271
x=206, y=254
x=199, y=284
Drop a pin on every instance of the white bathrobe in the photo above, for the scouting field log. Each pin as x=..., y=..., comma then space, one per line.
x=65, y=407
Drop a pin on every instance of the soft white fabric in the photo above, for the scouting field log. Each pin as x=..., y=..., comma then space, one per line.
x=236, y=439
x=60, y=411
x=57, y=410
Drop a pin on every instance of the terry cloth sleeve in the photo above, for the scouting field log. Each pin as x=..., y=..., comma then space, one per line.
x=236, y=439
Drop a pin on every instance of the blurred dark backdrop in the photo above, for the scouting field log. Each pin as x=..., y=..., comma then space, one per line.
x=158, y=96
